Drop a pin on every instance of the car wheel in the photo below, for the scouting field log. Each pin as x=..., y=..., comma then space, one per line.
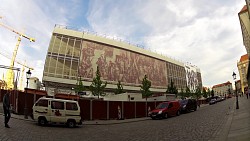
x=165, y=115
x=178, y=113
x=71, y=123
x=42, y=121
x=153, y=118
x=195, y=109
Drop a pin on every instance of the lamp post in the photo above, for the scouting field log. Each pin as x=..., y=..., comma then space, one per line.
x=28, y=74
x=237, y=102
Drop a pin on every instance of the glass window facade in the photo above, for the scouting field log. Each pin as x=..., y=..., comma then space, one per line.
x=63, y=57
x=177, y=74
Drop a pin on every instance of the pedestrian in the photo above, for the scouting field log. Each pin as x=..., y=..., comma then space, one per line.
x=247, y=95
x=6, y=108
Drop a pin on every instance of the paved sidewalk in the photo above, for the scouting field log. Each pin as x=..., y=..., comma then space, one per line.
x=237, y=127
x=240, y=127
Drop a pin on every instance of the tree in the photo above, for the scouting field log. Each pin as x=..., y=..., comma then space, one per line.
x=212, y=93
x=229, y=91
x=188, y=92
x=204, y=93
x=182, y=94
x=146, y=84
x=208, y=92
x=79, y=86
x=119, y=89
x=172, y=89
x=97, y=87
x=197, y=93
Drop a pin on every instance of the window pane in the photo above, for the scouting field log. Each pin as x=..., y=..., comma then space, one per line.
x=42, y=103
x=71, y=106
x=57, y=105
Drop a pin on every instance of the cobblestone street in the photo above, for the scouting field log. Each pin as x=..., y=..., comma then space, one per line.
x=200, y=125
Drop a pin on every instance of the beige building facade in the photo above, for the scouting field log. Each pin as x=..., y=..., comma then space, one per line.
x=223, y=89
x=242, y=68
x=244, y=18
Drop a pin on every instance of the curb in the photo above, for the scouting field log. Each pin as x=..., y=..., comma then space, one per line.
x=19, y=118
x=131, y=121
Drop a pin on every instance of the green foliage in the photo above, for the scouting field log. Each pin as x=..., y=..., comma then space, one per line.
x=188, y=92
x=79, y=86
x=182, y=94
x=171, y=89
x=212, y=93
x=146, y=84
x=97, y=87
x=209, y=92
x=119, y=89
x=204, y=93
x=229, y=91
x=197, y=93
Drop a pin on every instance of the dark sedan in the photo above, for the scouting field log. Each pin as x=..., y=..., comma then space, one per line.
x=188, y=105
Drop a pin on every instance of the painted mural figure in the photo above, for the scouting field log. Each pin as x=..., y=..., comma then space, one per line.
x=117, y=64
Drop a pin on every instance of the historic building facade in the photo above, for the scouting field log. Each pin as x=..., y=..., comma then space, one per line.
x=242, y=68
x=244, y=18
x=223, y=89
x=73, y=55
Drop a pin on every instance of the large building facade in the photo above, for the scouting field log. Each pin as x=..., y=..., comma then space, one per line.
x=74, y=55
x=242, y=68
x=244, y=18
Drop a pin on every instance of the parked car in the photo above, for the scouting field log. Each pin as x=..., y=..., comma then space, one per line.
x=188, y=105
x=219, y=99
x=212, y=101
x=165, y=109
x=51, y=110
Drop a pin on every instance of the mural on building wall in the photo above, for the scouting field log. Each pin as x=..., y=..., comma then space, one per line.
x=117, y=64
x=191, y=75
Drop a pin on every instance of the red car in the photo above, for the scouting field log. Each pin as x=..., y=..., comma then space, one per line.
x=165, y=109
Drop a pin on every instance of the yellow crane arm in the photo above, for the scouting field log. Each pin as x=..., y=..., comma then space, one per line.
x=20, y=34
x=23, y=64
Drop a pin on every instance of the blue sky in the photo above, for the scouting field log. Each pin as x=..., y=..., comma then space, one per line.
x=204, y=33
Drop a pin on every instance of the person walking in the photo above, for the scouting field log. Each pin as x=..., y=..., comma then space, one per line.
x=6, y=108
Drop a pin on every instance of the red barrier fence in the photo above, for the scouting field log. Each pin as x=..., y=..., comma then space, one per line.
x=90, y=109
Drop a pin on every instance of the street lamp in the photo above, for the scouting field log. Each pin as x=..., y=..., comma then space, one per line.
x=237, y=102
x=28, y=74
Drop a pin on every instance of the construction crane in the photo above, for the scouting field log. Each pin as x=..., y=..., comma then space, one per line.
x=22, y=70
x=10, y=73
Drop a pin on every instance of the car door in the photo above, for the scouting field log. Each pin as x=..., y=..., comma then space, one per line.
x=171, y=108
x=57, y=111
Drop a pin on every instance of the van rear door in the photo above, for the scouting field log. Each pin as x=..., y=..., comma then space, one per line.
x=73, y=111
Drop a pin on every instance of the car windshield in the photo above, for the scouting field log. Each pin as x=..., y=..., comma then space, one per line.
x=183, y=102
x=162, y=105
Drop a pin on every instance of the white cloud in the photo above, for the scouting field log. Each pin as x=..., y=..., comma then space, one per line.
x=36, y=19
x=206, y=33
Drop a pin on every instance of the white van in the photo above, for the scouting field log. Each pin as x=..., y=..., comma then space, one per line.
x=51, y=110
